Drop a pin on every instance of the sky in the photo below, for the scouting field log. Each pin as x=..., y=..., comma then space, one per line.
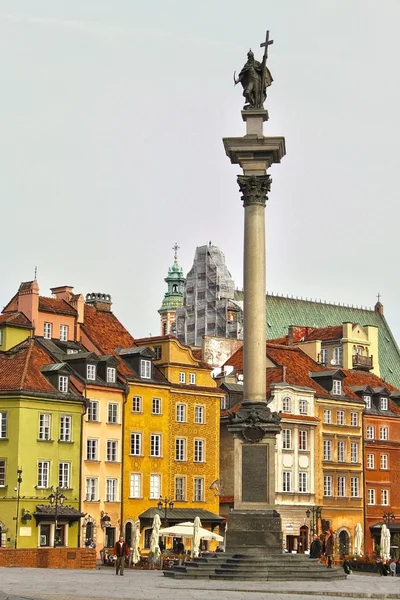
x=111, y=125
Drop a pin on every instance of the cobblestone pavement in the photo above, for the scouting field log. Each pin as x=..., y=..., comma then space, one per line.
x=59, y=584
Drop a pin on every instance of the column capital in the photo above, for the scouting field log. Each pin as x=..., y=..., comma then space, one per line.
x=254, y=188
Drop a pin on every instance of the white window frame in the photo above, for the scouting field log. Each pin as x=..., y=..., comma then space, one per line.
x=135, y=485
x=112, y=451
x=327, y=450
x=370, y=433
x=180, y=449
x=47, y=330
x=287, y=481
x=371, y=496
x=338, y=356
x=384, y=433
x=136, y=444
x=155, y=445
x=111, y=375
x=91, y=372
x=385, y=497
x=63, y=333
x=64, y=475
x=137, y=404
x=44, y=427
x=156, y=406
x=371, y=461
x=192, y=378
x=323, y=356
x=328, y=485
x=145, y=368
x=182, y=377
x=92, y=449
x=354, y=419
x=199, y=414
x=303, y=482
x=155, y=486
x=113, y=413
x=111, y=489
x=181, y=413
x=286, y=404
x=340, y=417
x=91, y=489
x=224, y=403
x=327, y=416
x=354, y=487
x=354, y=452
x=93, y=411
x=286, y=439
x=65, y=428
x=384, y=462
x=303, y=407
x=198, y=489
x=43, y=474
x=199, y=451
x=337, y=387
x=341, y=486
x=303, y=440
x=63, y=384
x=180, y=488
x=3, y=425
x=368, y=401
x=383, y=403
x=3, y=471
x=341, y=451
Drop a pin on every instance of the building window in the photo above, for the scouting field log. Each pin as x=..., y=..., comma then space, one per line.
x=182, y=377
x=338, y=356
x=43, y=474
x=383, y=403
x=198, y=450
x=370, y=461
x=354, y=487
x=64, y=469
x=224, y=403
x=327, y=416
x=91, y=489
x=340, y=417
x=44, y=427
x=354, y=419
x=63, y=333
x=370, y=432
x=112, y=451
x=180, y=449
x=327, y=449
x=180, y=489
x=91, y=372
x=384, y=461
x=367, y=400
x=337, y=387
x=324, y=356
x=383, y=433
x=155, y=444
x=181, y=413
x=156, y=406
x=2, y=473
x=135, y=485
x=111, y=374
x=63, y=384
x=287, y=481
x=137, y=404
x=92, y=449
x=303, y=487
x=303, y=407
x=145, y=369
x=384, y=497
x=303, y=441
x=286, y=404
x=93, y=411
x=192, y=378
x=111, y=490
x=47, y=331
x=112, y=416
x=341, y=486
x=354, y=452
x=65, y=428
x=328, y=485
x=155, y=486
x=157, y=351
x=340, y=451
x=199, y=414
x=3, y=425
x=287, y=439
x=371, y=495
x=198, y=489
x=136, y=444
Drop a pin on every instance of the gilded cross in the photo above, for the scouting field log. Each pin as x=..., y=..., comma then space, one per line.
x=175, y=247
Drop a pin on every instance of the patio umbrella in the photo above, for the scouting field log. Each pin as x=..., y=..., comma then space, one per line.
x=186, y=530
x=385, y=543
x=358, y=540
x=155, y=534
x=196, y=536
x=135, y=545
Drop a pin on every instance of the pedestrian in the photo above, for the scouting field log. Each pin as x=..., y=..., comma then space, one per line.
x=316, y=547
x=347, y=566
x=121, y=551
x=392, y=568
x=328, y=547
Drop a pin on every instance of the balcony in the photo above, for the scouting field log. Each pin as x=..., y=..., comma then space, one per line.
x=363, y=363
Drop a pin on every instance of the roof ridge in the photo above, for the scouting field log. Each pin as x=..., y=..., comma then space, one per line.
x=315, y=301
x=25, y=371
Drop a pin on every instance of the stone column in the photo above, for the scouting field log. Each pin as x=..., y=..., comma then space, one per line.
x=254, y=526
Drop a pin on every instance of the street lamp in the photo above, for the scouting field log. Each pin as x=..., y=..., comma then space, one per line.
x=18, y=490
x=166, y=503
x=315, y=513
x=57, y=498
x=388, y=517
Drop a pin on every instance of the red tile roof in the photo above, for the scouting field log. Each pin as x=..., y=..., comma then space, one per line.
x=20, y=369
x=56, y=306
x=15, y=318
x=325, y=333
x=106, y=331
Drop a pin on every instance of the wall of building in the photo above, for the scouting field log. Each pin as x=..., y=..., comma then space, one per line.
x=13, y=336
x=48, y=558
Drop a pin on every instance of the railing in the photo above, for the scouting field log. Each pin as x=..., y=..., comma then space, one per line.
x=362, y=362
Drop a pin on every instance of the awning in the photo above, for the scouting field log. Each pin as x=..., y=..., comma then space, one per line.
x=393, y=527
x=47, y=512
x=178, y=515
x=186, y=530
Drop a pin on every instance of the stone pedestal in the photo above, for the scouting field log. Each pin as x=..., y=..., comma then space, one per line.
x=254, y=532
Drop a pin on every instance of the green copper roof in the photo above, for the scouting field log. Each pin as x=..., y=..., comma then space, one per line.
x=173, y=297
x=281, y=312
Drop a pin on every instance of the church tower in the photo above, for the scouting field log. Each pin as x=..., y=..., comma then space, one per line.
x=173, y=298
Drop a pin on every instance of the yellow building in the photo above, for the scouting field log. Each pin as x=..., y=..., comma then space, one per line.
x=14, y=329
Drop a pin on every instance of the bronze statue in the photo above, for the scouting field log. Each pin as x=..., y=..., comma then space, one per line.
x=255, y=77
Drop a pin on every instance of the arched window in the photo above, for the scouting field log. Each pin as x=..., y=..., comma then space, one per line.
x=89, y=534
x=128, y=533
x=344, y=543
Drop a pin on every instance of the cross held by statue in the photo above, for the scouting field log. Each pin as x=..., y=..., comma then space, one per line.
x=265, y=44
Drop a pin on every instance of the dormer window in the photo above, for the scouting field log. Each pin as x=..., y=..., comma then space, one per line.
x=367, y=400
x=63, y=384
x=145, y=369
x=303, y=407
x=63, y=333
x=91, y=372
x=337, y=387
x=47, y=330
x=111, y=374
x=383, y=403
x=286, y=404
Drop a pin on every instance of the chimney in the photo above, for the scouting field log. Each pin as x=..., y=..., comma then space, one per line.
x=101, y=302
x=28, y=300
x=62, y=292
x=379, y=308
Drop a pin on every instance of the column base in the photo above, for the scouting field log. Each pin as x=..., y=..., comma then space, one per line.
x=254, y=532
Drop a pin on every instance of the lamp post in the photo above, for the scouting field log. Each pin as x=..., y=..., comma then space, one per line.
x=18, y=490
x=57, y=498
x=165, y=503
x=388, y=517
x=315, y=513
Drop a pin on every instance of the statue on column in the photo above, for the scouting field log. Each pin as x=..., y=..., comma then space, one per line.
x=255, y=77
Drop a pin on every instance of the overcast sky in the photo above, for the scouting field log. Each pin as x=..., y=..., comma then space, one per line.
x=111, y=120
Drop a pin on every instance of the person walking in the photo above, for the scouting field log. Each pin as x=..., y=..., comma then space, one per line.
x=316, y=547
x=121, y=551
x=328, y=547
x=392, y=568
